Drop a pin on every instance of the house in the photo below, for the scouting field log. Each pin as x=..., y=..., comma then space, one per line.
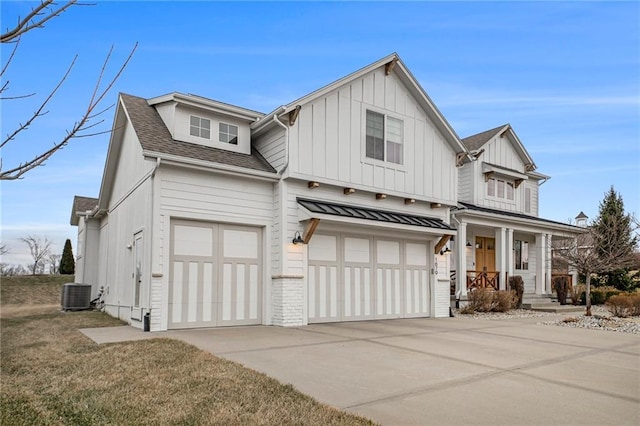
x=338, y=206
x=499, y=233
x=334, y=207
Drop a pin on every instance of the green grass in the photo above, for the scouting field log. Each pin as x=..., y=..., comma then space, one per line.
x=53, y=375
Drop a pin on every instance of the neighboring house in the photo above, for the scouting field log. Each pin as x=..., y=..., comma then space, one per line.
x=334, y=207
x=499, y=232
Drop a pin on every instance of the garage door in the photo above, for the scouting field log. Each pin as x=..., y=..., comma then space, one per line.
x=215, y=277
x=359, y=278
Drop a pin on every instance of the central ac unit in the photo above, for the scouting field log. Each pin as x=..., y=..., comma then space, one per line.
x=75, y=297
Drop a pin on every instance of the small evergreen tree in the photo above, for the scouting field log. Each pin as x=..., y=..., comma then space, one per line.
x=67, y=263
x=624, y=240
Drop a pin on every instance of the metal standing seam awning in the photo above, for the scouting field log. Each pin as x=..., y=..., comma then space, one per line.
x=315, y=210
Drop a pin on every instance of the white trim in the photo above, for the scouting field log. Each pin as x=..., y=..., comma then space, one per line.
x=208, y=105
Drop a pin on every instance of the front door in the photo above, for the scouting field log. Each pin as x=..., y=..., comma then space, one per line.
x=485, y=254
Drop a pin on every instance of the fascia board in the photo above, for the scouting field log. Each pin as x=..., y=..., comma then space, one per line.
x=304, y=214
x=430, y=107
x=493, y=220
x=113, y=153
x=208, y=105
x=519, y=146
x=322, y=91
x=207, y=165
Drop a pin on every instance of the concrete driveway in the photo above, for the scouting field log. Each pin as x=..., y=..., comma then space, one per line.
x=450, y=371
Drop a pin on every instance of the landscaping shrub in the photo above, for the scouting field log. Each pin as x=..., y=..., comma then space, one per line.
x=599, y=295
x=516, y=284
x=624, y=305
x=486, y=300
x=576, y=294
x=561, y=286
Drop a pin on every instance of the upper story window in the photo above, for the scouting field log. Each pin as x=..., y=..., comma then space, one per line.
x=501, y=189
x=228, y=133
x=527, y=200
x=200, y=127
x=385, y=137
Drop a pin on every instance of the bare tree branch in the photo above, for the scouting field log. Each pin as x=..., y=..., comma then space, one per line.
x=38, y=112
x=46, y=10
x=81, y=125
x=37, y=18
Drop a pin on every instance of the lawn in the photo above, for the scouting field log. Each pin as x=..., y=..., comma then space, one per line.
x=53, y=374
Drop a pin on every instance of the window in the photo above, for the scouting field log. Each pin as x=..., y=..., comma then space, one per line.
x=228, y=133
x=200, y=127
x=383, y=130
x=501, y=189
x=522, y=254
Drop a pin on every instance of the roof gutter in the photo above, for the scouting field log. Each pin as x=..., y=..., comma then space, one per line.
x=177, y=160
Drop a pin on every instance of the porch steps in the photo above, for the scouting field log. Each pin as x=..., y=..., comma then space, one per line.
x=546, y=303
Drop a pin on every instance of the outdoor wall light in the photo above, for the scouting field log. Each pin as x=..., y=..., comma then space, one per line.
x=468, y=244
x=297, y=238
x=445, y=251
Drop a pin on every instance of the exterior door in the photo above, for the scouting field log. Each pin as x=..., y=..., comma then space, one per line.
x=138, y=258
x=485, y=254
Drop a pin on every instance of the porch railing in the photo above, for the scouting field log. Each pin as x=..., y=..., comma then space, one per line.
x=483, y=279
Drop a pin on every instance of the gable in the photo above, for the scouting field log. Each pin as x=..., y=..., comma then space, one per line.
x=502, y=147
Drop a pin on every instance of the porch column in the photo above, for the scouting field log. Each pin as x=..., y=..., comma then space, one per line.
x=510, y=262
x=461, y=261
x=501, y=256
x=541, y=268
x=547, y=264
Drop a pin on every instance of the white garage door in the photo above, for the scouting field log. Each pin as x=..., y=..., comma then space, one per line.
x=215, y=277
x=358, y=278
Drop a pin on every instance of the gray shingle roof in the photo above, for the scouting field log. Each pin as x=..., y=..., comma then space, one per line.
x=476, y=141
x=81, y=204
x=155, y=137
x=356, y=212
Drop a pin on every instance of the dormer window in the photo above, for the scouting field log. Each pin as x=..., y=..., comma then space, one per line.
x=228, y=133
x=384, y=138
x=200, y=127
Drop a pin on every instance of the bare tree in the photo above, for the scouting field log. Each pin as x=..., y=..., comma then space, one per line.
x=594, y=252
x=40, y=247
x=54, y=263
x=86, y=124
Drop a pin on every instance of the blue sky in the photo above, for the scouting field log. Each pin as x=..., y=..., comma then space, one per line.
x=565, y=75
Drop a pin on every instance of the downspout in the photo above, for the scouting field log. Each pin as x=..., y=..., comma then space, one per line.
x=286, y=137
x=282, y=209
x=153, y=174
x=458, y=291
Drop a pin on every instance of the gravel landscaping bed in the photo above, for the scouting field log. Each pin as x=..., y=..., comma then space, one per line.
x=600, y=320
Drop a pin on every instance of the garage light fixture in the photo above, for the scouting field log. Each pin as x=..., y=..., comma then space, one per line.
x=297, y=238
x=445, y=251
x=468, y=244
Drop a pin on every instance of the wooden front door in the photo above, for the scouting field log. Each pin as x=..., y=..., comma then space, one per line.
x=485, y=254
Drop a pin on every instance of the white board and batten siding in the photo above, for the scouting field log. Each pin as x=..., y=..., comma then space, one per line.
x=499, y=151
x=327, y=142
x=116, y=230
x=231, y=212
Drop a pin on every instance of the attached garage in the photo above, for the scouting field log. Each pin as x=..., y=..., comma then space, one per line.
x=215, y=275
x=355, y=277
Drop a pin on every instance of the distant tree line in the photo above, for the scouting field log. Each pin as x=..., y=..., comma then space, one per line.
x=44, y=259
